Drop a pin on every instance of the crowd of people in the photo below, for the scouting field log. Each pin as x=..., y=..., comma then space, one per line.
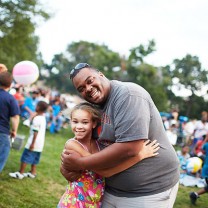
x=192, y=138
x=27, y=102
x=38, y=109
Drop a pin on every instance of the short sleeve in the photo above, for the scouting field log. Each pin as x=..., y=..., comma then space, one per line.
x=35, y=124
x=132, y=119
x=14, y=108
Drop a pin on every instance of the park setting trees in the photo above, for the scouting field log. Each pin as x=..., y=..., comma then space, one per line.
x=18, y=21
x=19, y=42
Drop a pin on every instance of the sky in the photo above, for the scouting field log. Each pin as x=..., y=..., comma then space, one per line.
x=179, y=27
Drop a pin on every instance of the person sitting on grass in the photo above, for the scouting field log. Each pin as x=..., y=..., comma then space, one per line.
x=34, y=146
x=183, y=156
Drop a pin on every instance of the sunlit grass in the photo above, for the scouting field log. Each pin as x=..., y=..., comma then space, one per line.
x=46, y=189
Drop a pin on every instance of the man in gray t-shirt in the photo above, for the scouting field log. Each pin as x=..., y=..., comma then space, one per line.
x=129, y=116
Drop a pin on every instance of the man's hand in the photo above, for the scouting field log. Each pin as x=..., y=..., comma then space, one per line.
x=71, y=160
x=70, y=167
x=70, y=176
x=13, y=134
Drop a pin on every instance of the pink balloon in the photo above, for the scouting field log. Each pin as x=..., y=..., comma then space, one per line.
x=25, y=72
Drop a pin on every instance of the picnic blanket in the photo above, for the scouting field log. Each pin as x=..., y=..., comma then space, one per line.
x=188, y=180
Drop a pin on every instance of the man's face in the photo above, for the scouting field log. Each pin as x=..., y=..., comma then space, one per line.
x=93, y=86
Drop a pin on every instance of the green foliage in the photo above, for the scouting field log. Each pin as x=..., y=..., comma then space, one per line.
x=18, y=41
x=193, y=102
x=193, y=77
x=156, y=80
x=190, y=73
x=151, y=79
x=138, y=54
x=183, y=201
x=148, y=76
x=59, y=74
x=96, y=55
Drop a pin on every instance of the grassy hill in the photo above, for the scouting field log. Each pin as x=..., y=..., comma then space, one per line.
x=46, y=189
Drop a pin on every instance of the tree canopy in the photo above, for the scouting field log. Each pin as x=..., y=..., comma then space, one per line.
x=190, y=76
x=158, y=81
x=98, y=56
x=18, y=21
x=18, y=42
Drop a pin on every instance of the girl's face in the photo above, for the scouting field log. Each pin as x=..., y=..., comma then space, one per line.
x=82, y=124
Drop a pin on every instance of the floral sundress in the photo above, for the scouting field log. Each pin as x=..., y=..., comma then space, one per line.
x=86, y=192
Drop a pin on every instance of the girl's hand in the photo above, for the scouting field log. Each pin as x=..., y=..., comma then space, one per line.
x=149, y=149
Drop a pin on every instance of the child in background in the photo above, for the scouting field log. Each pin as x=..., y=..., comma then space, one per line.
x=183, y=155
x=88, y=190
x=195, y=195
x=34, y=146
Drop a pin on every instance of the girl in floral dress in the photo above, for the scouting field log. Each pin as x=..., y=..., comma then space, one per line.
x=88, y=190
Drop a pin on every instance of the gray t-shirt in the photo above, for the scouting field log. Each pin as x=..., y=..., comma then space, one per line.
x=128, y=115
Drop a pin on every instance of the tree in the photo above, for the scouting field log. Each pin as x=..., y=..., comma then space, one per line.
x=138, y=54
x=18, y=41
x=190, y=76
x=59, y=71
x=98, y=56
x=148, y=76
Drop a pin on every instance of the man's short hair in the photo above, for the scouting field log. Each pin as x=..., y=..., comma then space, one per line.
x=78, y=68
x=6, y=79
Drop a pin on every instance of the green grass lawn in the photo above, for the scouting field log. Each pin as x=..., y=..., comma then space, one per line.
x=46, y=189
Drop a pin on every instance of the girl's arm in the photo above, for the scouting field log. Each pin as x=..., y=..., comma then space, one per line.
x=149, y=149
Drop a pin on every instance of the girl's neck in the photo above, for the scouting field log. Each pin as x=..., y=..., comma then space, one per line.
x=87, y=143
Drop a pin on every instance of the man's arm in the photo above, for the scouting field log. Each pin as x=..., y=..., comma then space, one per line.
x=148, y=150
x=107, y=158
x=73, y=145
x=119, y=151
x=14, y=125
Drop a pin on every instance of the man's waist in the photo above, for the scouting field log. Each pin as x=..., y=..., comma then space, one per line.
x=137, y=183
x=144, y=190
